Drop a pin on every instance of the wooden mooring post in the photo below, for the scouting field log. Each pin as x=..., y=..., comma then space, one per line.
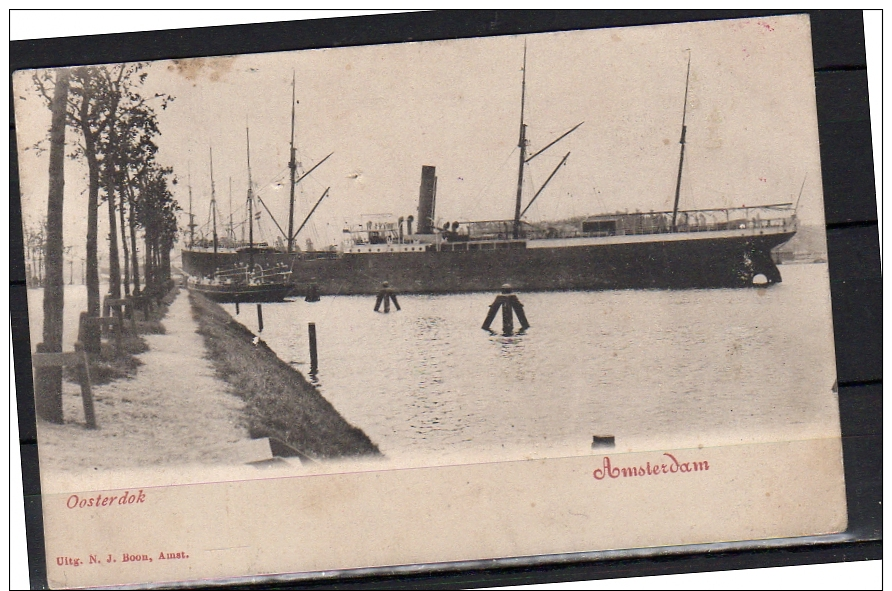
x=314, y=357
x=77, y=359
x=603, y=441
x=385, y=295
x=312, y=293
x=510, y=305
x=236, y=308
x=259, y=318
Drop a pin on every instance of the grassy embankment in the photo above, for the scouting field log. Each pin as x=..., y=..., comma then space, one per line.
x=280, y=401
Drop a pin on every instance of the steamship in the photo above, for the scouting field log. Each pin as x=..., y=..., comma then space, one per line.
x=677, y=249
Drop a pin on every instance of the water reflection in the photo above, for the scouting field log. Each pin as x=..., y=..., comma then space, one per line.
x=652, y=367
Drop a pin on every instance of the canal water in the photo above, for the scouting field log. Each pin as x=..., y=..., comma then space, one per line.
x=655, y=369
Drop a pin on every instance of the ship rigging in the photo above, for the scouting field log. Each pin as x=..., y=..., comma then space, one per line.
x=723, y=247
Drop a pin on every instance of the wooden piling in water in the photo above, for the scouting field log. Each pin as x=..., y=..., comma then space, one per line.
x=510, y=305
x=491, y=315
x=605, y=441
x=314, y=358
x=507, y=316
x=385, y=296
x=259, y=318
x=518, y=309
x=236, y=308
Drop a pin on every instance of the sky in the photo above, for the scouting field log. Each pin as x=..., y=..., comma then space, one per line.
x=385, y=111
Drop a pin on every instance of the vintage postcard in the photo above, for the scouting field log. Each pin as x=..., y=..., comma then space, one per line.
x=429, y=303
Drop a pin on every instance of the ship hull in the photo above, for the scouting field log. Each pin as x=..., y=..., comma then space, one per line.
x=245, y=294
x=672, y=261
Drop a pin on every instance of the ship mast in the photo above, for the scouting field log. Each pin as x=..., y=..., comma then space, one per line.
x=682, y=142
x=213, y=201
x=250, y=205
x=292, y=164
x=231, y=225
x=522, y=144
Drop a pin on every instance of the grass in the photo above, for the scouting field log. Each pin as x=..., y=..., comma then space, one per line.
x=281, y=403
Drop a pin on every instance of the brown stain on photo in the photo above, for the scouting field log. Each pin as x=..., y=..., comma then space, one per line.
x=214, y=68
x=714, y=123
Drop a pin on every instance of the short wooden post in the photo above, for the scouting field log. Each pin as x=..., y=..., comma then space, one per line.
x=314, y=358
x=236, y=308
x=89, y=333
x=312, y=293
x=118, y=315
x=131, y=313
x=259, y=318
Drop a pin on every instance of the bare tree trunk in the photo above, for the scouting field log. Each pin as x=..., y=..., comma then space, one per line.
x=48, y=390
x=93, y=301
x=114, y=263
x=133, y=250
x=124, y=246
x=111, y=161
x=149, y=271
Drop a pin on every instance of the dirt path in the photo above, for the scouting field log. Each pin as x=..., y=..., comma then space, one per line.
x=174, y=411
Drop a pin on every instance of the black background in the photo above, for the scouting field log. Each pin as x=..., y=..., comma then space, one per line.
x=853, y=250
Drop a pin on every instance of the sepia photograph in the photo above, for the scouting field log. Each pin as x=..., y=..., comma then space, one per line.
x=489, y=287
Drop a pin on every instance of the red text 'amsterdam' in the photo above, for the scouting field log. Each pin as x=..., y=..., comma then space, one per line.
x=673, y=466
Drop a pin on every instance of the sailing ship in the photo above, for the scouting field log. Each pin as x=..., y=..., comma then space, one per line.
x=677, y=249
x=241, y=282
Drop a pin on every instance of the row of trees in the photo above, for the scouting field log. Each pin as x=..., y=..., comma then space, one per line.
x=115, y=126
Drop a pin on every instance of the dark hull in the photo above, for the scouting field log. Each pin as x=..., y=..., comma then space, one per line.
x=245, y=294
x=674, y=262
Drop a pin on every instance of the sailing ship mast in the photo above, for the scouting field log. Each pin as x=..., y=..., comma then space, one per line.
x=231, y=225
x=250, y=205
x=682, y=142
x=292, y=164
x=213, y=201
x=522, y=144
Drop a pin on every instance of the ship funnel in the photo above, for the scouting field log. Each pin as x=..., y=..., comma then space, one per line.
x=427, y=200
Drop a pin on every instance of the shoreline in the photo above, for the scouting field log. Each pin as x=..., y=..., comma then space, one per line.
x=279, y=402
